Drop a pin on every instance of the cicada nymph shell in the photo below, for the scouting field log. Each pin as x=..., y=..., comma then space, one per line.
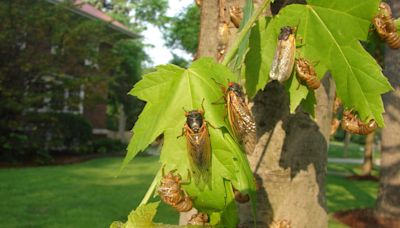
x=282, y=64
x=386, y=27
x=352, y=124
x=171, y=193
x=236, y=14
x=283, y=223
x=223, y=40
x=199, y=147
x=306, y=74
x=240, y=117
x=198, y=2
x=199, y=219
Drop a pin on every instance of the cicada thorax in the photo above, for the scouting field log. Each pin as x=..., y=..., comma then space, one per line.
x=171, y=193
x=236, y=15
x=199, y=219
x=306, y=74
x=199, y=147
x=352, y=124
x=240, y=117
x=283, y=61
x=198, y=3
x=386, y=27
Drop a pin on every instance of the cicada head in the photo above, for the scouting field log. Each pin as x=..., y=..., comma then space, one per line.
x=285, y=33
x=235, y=88
x=194, y=119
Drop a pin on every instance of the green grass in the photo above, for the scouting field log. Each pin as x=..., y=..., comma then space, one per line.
x=79, y=195
x=354, y=150
x=89, y=194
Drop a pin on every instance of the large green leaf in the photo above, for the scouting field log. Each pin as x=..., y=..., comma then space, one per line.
x=329, y=32
x=168, y=91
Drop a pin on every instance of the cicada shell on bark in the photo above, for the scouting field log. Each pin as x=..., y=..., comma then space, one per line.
x=282, y=64
x=199, y=219
x=240, y=117
x=386, y=27
x=236, y=14
x=199, y=147
x=171, y=193
x=306, y=74
x=352, y=124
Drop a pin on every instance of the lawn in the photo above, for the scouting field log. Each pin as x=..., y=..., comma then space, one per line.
x=79, y=195
x=89, y=195
x=354, y=150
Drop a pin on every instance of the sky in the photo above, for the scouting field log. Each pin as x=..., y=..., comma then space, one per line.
x=159, y=53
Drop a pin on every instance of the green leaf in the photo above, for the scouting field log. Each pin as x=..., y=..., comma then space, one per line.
x=141, y=217
x=167, y=92
x=329, y=32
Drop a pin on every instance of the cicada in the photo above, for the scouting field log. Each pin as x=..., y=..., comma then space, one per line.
x=240, y=117
x=352, y=124
x=306, y=74
x=199, y=147
x=199, y=219
x=386, y=27
x=171, y=193
x=236, y=14
x=282, y=64
x=198, y=3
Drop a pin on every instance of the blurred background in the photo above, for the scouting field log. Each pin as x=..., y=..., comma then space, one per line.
x=66, y=68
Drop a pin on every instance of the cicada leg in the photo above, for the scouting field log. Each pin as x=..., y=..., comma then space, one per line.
x=189, y=178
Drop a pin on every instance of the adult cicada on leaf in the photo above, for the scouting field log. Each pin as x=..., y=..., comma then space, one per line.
x=283, y=61
x=352, y=124
x=199, y=147
x=240, y=117
x=171, y=193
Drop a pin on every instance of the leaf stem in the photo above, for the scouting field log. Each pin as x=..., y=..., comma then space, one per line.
x=242, y=34
x=151, y=189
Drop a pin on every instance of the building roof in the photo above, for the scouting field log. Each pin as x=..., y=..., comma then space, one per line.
x=92, y=12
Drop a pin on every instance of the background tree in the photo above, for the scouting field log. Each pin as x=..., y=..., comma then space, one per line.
x=388, y=202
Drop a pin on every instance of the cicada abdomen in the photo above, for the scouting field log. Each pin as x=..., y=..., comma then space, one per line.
x=282, y=64
x=352, y=124
x=171, y=193
x=236, y=14
x=199, y=147
x=306, y=74
x=240, y=117
x=386, y=27
x=199, y=219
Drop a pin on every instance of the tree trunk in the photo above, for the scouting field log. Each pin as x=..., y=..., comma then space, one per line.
x=366, y=167
x=388, y=203
x=347, y=138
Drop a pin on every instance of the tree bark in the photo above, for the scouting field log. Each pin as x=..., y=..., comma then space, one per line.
x=347, y=138
x=388, y=203
x=367, y=165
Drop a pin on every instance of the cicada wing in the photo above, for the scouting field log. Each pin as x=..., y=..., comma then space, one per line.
x=242, y=122
x=199, y=149
x=283, y=62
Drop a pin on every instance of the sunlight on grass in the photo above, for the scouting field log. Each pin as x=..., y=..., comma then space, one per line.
x=80, y=195
x=90, y=195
